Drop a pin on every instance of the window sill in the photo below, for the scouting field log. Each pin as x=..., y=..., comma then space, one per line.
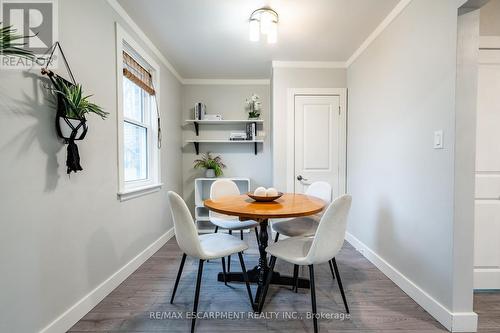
x=138, y=192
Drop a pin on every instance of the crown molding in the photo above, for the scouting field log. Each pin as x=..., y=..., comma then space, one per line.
x=131, y=23
x=226, y=81
x=378, y=30
x=275, y=63
x=308, y=64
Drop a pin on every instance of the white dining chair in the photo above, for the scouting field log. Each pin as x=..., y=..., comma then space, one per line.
x=305, y=226
x=204, y=247
x=310, y=251
x=221, y=188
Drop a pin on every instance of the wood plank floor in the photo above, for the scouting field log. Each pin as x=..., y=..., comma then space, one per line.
x=376, y=303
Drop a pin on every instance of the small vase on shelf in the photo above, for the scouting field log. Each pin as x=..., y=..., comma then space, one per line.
x=210, y=173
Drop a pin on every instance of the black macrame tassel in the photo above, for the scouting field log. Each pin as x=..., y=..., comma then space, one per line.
x=73, y=158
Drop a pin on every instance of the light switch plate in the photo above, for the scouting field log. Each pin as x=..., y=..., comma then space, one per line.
x=438, y=139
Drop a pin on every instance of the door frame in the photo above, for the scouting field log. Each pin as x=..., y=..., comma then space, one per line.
x=290, y=130
x=484, y=278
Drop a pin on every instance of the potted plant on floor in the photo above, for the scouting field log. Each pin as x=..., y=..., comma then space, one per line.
x=213, y=165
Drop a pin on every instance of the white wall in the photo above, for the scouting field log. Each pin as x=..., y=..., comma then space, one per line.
x=282, y=80
x=62, y=236
x=489, y=22
x=228, y=100
x=401, y=90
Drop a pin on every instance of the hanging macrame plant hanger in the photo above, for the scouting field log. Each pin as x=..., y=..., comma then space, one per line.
x=69, y=129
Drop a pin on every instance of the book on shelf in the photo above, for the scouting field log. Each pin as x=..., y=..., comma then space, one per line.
x=199, y=111
x=251, y=131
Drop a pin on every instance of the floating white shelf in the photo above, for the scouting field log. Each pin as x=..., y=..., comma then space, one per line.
x=197, y=124
x=197, y=142
x=223, y=141
x=224, y=121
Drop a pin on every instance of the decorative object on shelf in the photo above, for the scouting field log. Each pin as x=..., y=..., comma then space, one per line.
x=11, y=44
x=200, y=110
x=253, y=106
x=213, y=165
x=72, y=106
x=212, y=117
x=238, y=136
x=262, y=194
x=264, y=20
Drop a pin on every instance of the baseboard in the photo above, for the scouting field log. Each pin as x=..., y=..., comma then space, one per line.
x=454, y=322
x=68, y=318
x=486, y=278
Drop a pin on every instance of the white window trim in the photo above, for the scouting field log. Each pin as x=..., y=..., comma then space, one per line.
x=135, y=189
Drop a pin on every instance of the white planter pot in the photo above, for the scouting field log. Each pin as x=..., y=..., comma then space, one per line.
x=210, y=173
x=66, y=129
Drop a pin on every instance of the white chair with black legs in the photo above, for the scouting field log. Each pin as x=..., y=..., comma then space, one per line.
x=305, y=226
x=221, y=188
x=204, y=247
x=310, y=251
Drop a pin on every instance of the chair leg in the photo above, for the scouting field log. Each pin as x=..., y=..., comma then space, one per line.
x=241, y=234
x=313, y=297
x=245, y=277
x=295, y=278
x=257, y=235
x=339, y=281
x=331, y=269
x=197, y=294
x=216, y=229
x=272, y=262
x=277, y=237
x=224, y=270
x=229, y=257
x=179, y=273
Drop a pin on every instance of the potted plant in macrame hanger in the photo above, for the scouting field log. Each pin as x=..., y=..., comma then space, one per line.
x=72, y=107
x=213, y=165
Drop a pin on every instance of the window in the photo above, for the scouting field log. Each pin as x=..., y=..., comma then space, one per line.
x=138, y=120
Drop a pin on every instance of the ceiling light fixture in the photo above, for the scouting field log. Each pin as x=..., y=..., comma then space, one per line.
x=265, y=21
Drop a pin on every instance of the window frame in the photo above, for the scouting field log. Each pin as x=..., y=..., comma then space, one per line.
x=132, y=189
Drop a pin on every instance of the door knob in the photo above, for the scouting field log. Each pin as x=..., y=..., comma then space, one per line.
x=299, y=178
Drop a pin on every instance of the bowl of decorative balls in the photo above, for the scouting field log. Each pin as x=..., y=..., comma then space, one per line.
x=262, y=194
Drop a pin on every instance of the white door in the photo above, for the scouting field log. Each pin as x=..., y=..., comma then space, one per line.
x=317, y=141
x=487, y=203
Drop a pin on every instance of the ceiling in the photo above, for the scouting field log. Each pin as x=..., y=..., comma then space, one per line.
x=208, y=39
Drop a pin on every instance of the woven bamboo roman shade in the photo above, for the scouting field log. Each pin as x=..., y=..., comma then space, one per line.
x=136, y=73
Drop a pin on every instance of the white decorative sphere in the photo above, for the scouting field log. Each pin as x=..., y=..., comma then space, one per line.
x=271, y=192
x=260, y=192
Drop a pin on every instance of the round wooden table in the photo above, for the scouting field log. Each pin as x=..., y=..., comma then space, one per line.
x=289, y=205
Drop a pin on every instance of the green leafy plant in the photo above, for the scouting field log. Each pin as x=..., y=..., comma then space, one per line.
x=209, y=162
x=75, y=104
x=10, y=43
